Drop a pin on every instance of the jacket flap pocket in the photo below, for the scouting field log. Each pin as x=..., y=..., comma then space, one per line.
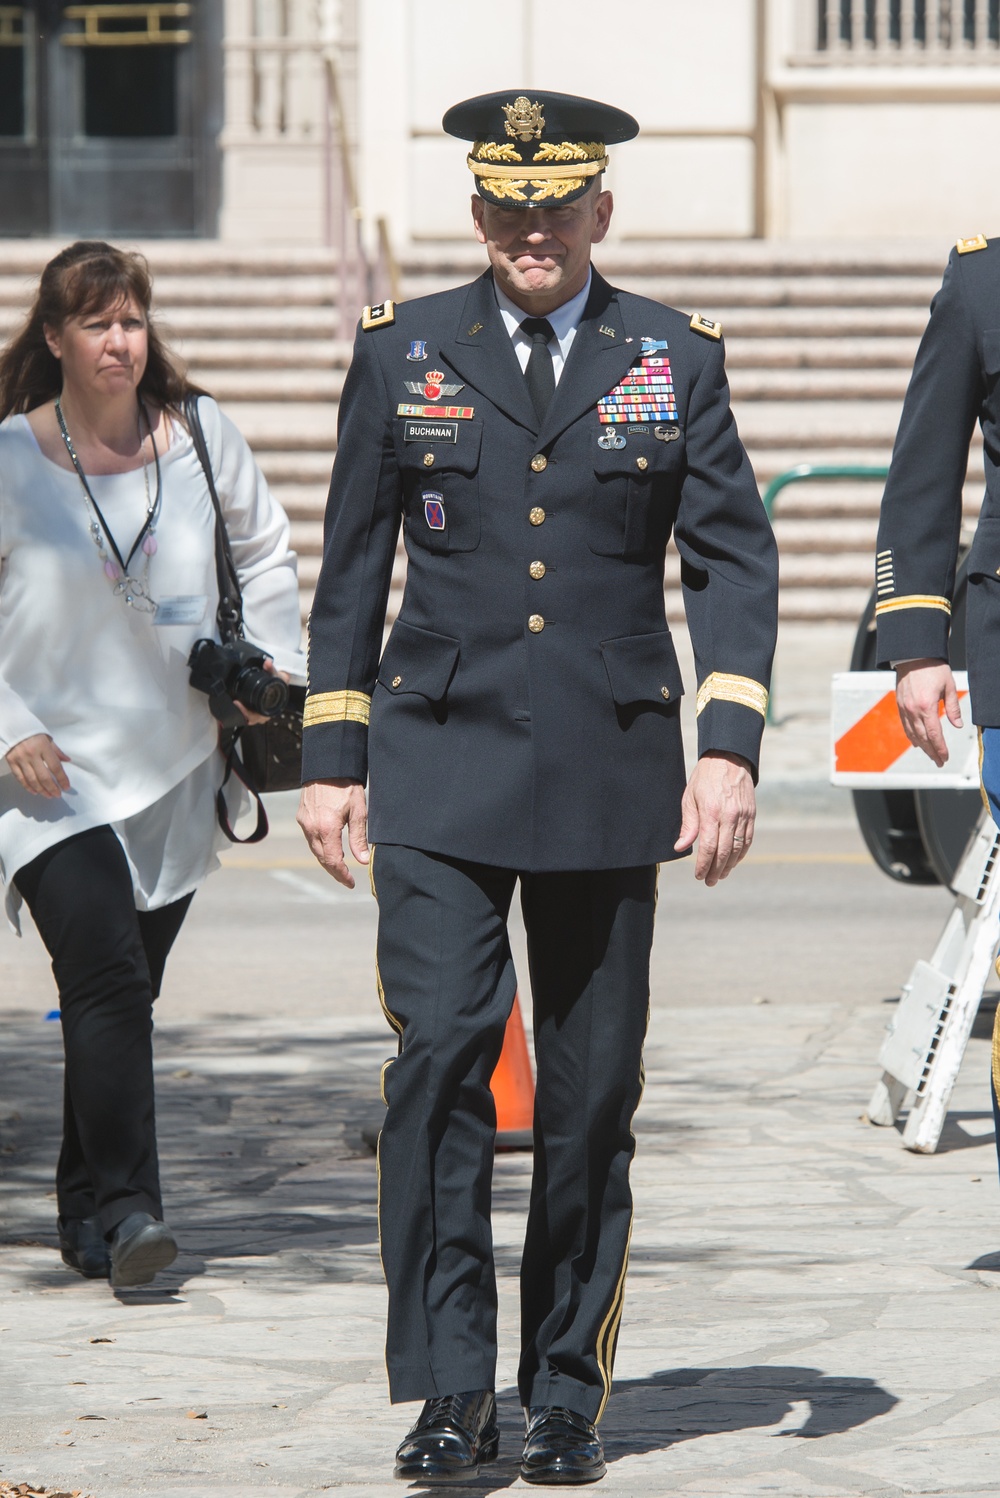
x=454, y=445
x=417, y=660
x=643, y=668
x=991, y=350
x=984, y=554
x=639, y=455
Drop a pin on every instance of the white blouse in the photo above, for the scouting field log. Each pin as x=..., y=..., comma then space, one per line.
x=111, y=684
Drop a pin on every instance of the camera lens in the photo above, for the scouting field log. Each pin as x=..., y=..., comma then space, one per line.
x=261, y=691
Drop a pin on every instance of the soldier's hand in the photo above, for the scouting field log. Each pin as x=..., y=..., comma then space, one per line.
x=326, y=807
x=921, y=687
x=719, y=808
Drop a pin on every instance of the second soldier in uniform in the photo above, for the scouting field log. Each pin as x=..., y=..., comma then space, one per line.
x=539, y=435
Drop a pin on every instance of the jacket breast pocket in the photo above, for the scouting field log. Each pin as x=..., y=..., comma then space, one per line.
x=418, y=662
x=441, y=483
x=642, y=672
x=635, y=497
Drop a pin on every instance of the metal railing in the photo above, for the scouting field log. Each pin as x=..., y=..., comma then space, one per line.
x=880, y=31
x=803, y=473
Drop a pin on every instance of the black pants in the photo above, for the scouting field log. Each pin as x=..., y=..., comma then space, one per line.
x=446, y=978
x=107, y=960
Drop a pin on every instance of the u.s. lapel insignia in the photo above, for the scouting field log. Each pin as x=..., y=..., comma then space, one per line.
x=611, y=440
x=418, y=351
x=651, y=345
x=434, y=509
x=608, y=332
x=433, y=386
x=477, y=327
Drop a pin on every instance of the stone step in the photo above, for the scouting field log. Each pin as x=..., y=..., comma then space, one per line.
x=806, y=353
x=264, y=354
x=271, y=386
x=296, y=469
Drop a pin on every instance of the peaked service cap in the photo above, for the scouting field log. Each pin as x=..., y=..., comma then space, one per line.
x=537, y=150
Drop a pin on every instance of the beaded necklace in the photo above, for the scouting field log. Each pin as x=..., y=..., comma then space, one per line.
x=134, y=590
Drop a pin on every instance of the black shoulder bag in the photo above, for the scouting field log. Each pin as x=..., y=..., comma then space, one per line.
x=263, y=756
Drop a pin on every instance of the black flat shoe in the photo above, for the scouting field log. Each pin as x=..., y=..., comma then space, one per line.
x=84, y=1247
x=141, y=1247
x=561, y=1447
x=452, y=1437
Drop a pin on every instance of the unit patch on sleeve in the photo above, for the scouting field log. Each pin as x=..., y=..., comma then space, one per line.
x=434, y=509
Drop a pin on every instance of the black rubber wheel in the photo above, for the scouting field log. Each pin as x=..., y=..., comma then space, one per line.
x=916, y=837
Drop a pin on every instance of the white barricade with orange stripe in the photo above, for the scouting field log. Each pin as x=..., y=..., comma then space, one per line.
x=927, y=1036
x=870, y=751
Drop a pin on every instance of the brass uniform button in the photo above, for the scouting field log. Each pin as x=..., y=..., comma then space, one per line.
x=665, y=693
x=536, y=624
x=539, y=463
x=428, y=460
x=537, y=570
x=642, y=464
x=397, y=681
x=537, y=516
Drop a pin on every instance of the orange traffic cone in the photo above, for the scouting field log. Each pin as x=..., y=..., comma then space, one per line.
x=514, y=1087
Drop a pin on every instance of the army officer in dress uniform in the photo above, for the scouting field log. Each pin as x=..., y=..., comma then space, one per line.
x=955, y=383
x=539, y=435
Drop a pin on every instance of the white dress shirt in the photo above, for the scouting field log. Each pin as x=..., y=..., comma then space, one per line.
x=565, y=320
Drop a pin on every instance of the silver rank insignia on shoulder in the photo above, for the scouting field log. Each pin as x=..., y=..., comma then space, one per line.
x=967, y=246
x=611, y=441
x=381, y=316
x=706, y=326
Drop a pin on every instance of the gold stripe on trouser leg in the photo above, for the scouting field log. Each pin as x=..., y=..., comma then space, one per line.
x=608, y=1334
x=982, y=783
x=996, y=1047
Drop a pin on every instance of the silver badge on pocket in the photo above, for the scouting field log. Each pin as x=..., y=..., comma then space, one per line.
x=611, y=440
x=666, y=434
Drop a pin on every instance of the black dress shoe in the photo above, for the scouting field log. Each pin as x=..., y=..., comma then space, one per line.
x=452, y=1437
x=561, y=1447
x=84, y=1247
x=140, y=1247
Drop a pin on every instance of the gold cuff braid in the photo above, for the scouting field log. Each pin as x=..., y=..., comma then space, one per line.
x=721, y=687
x=336, y=707
x=913, y=601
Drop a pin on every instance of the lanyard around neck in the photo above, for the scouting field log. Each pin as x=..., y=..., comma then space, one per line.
x=151, y=510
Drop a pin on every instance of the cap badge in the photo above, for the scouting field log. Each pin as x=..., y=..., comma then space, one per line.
x=418, y=351
x=525, y=120
x=611, y=441
x=434, y=509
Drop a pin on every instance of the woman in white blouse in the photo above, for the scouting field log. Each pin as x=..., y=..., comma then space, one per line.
x=109, y=761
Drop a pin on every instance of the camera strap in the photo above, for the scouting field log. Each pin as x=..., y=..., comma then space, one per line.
x=229, y=615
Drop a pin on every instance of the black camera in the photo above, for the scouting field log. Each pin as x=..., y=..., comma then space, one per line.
x=235, y=671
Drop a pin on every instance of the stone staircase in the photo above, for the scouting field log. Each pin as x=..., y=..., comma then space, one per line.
x=820, y=341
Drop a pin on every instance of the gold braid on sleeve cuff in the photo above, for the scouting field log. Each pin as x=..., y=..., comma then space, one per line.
x=912, y=601
x=720, y=687
x=336, y=707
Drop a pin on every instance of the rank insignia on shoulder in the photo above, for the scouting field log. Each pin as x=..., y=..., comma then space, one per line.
x=381, y=316
x=706, y=326
x=967, y=246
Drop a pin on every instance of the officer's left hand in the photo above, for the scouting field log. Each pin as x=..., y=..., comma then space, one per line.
x=719, y=808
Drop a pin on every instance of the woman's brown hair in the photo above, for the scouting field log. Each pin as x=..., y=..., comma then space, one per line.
x=89, y=276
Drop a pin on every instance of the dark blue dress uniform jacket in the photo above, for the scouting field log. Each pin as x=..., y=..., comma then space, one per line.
x=521, y=720
x=955, y=383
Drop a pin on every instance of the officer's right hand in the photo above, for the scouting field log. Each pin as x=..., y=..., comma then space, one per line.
x=326, y=807
x=921, y=687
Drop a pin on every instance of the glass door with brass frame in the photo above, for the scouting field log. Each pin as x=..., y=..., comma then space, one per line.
x=109, y=116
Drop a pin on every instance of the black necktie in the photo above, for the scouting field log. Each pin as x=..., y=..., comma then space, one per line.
x=539, y=375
